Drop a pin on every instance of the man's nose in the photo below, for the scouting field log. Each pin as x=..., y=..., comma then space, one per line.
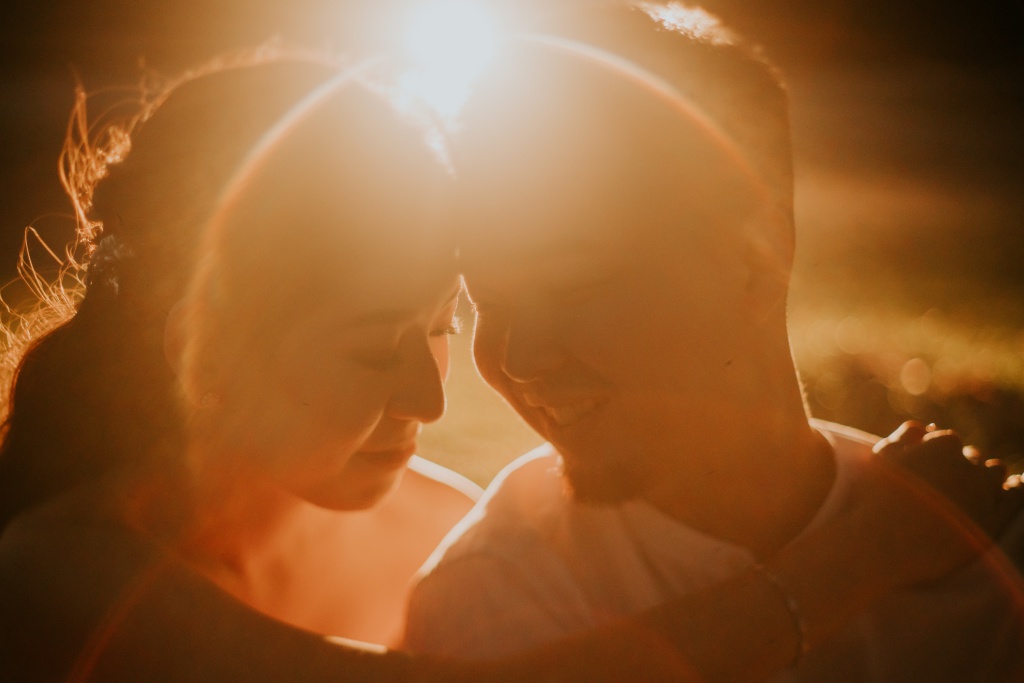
x=531, y=349
x=419, y=395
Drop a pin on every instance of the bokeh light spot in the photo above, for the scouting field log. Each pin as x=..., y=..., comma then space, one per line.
x=915, y=377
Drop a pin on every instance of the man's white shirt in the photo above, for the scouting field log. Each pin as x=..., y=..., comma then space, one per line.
x=529, y=565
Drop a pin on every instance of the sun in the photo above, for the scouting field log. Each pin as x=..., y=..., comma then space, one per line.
x=447, y=45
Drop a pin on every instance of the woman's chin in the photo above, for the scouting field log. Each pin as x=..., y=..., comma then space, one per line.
x=361, y=486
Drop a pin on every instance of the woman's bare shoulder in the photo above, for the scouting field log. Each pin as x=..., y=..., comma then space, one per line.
x=435, y=493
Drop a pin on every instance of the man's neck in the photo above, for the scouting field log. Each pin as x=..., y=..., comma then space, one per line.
x=756, y=485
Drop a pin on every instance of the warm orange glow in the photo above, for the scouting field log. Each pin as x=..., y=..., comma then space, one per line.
x=448, y=44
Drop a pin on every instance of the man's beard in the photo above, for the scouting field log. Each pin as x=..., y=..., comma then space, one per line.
x=595, y=481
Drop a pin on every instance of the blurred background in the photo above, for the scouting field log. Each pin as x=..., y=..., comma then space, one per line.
x=908, y=119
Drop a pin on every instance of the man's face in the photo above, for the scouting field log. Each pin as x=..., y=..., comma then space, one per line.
x=603, y=251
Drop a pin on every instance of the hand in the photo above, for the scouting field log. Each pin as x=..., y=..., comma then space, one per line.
x=935, y=503
x=978, y=487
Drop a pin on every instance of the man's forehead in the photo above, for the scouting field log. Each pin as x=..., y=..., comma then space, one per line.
x=545, y=265
x=607, y=149
x=564, y=206
x=533, y=249
x=576, y=163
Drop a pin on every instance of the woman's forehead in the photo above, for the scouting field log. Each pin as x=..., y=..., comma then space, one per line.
x=350, y=179
x=350, y=153
x=344, y=210
x=367, y=293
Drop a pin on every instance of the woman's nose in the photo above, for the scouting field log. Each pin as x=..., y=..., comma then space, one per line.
x=419, y=394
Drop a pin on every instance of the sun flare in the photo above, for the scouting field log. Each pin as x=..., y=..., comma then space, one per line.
x=448, y=44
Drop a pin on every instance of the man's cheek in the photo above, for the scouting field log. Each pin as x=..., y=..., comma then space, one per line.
x=487, y=350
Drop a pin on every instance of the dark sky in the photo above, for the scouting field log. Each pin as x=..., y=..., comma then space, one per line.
x=908, y=115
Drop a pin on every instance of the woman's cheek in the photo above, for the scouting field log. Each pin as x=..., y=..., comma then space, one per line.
x=440, y=348
x=359, y=394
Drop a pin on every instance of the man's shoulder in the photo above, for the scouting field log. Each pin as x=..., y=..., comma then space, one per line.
x=528, y=488
x=517, y=508
x=500, y=560
x=852, y=447
x=843, y=434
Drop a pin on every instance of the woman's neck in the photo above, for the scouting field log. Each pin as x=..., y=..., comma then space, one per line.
x=244, y=524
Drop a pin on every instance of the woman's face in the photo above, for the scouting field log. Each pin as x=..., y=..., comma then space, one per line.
x=327, y=302
x=352, y=381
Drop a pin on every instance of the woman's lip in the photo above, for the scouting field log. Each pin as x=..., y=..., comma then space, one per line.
x=404, y=446
x=396, y=454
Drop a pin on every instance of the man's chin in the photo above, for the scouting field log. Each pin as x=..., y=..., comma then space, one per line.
x=603, y=483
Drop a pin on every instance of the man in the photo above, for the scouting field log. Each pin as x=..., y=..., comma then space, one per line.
x=629, y=238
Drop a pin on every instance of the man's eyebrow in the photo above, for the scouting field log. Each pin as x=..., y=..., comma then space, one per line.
x=583, y=246
x=573, y=253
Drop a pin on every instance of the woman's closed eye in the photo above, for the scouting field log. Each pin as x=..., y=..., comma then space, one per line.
x=384, y=357
x=380, y=359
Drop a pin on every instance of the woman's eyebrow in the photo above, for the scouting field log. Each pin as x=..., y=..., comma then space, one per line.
x=384, y=316
x=393, y=316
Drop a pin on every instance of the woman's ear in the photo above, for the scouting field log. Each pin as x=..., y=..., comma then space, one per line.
x=180, y=350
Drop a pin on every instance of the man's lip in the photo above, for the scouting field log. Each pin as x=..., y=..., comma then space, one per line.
x=566, y=413
x=552, y=399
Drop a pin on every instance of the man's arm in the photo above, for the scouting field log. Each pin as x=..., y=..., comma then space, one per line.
x=94, y=598
x=85, y=600
x=480, y=607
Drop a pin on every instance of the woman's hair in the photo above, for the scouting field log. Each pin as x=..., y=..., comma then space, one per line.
x=92, y=393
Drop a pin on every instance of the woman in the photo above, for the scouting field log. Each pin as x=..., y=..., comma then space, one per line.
x=259, y=499
x=225, y=421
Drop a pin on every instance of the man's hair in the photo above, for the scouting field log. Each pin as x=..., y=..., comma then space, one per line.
x=724, y=82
